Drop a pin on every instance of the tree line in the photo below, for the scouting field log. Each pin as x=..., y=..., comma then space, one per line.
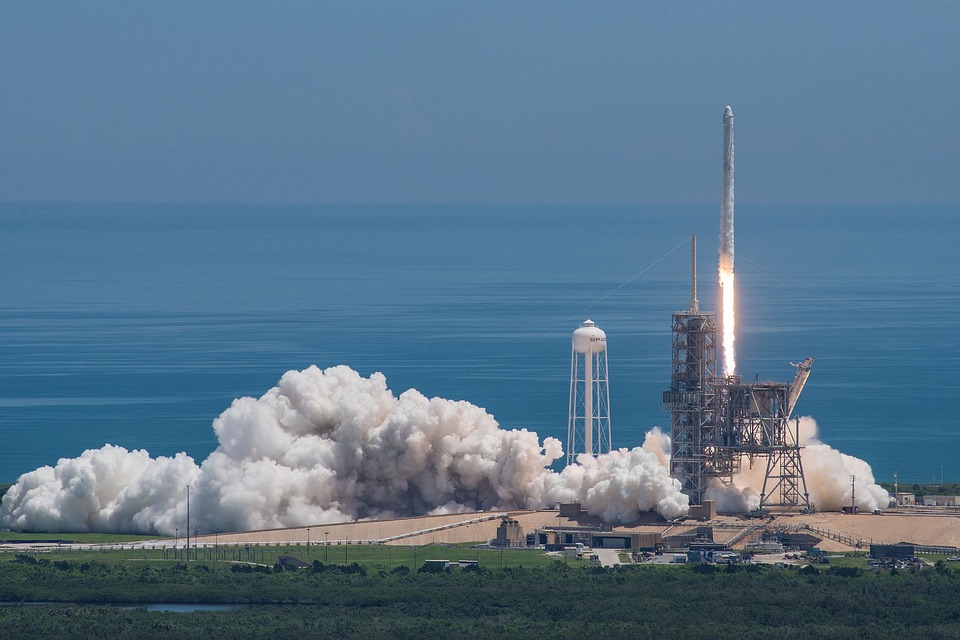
x=557, y=601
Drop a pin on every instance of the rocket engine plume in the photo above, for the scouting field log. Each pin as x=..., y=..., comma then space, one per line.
x=725, y=269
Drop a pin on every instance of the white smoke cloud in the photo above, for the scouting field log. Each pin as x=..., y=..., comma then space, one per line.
x=827, y=473
x=658, y=443
x=740, y=497
x=329, y=446
x=618, y=486
x=108, y=489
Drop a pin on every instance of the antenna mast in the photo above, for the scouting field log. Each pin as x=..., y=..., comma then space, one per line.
x=694, y=303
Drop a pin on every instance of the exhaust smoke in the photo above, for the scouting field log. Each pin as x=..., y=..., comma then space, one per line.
x=329, y=446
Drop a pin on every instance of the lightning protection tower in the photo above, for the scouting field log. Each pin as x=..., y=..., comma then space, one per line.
x=696, y=456
x=588, y=427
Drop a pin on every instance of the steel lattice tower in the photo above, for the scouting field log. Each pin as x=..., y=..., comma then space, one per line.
x=691, y=401
x=718, y=421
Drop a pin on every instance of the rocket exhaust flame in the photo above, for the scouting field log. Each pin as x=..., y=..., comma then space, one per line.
x=728, y=323
x=726, y=247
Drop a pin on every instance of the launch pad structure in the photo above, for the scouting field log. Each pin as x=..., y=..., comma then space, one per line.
x=717, y=421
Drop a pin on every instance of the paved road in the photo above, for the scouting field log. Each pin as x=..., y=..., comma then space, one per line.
x=608, y=557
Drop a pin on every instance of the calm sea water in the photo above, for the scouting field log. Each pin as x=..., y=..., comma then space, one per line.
x=138, y=324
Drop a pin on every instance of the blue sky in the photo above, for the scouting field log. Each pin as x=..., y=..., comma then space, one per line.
x=540, y=101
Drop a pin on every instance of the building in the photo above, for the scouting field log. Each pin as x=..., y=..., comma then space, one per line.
x=625, y=540
x=706, y=511
x=510, y=533
x=941, y=501
x=900, y=551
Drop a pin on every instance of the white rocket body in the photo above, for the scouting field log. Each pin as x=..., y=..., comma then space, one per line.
x=726, y=201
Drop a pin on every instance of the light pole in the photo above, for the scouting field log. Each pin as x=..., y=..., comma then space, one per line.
x=308, y=541
x=326, y=546
x=559, y=530
x=188, y=523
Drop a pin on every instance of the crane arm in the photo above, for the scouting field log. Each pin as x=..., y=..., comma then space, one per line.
x=803, y=372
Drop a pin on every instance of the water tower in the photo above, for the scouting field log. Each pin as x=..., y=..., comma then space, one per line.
x=588, y=427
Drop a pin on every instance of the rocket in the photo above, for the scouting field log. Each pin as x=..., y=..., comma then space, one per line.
x=726, y=201
x=726, y=248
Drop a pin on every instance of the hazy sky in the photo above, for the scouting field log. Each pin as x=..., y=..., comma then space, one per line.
x=449, y=101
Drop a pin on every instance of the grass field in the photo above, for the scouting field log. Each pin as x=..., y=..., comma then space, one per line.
x=386, y=556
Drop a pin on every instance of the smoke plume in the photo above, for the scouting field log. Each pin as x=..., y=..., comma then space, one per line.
x=827, y=473
x=330, y=446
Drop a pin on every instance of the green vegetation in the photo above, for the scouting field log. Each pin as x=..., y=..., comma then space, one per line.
x=554, y=601
x=851, y=559
x=385, y=556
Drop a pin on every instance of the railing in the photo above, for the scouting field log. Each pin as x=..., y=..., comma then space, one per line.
x=944, y=551
x=744, y=533
x=452, y=525
x=856, y=543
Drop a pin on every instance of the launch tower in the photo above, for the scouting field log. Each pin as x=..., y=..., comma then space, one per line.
x=691, y=399
x=718, y=421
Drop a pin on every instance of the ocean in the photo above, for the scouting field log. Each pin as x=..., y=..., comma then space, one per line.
x=137, y=324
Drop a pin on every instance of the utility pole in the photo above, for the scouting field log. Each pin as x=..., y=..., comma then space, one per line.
x=853, y=494
x=559, y=530
x=188, y=523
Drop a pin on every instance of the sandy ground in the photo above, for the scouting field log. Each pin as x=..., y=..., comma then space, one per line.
x=446, y=529
x=933, y=529
x=856, y=532
x=890, y=527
